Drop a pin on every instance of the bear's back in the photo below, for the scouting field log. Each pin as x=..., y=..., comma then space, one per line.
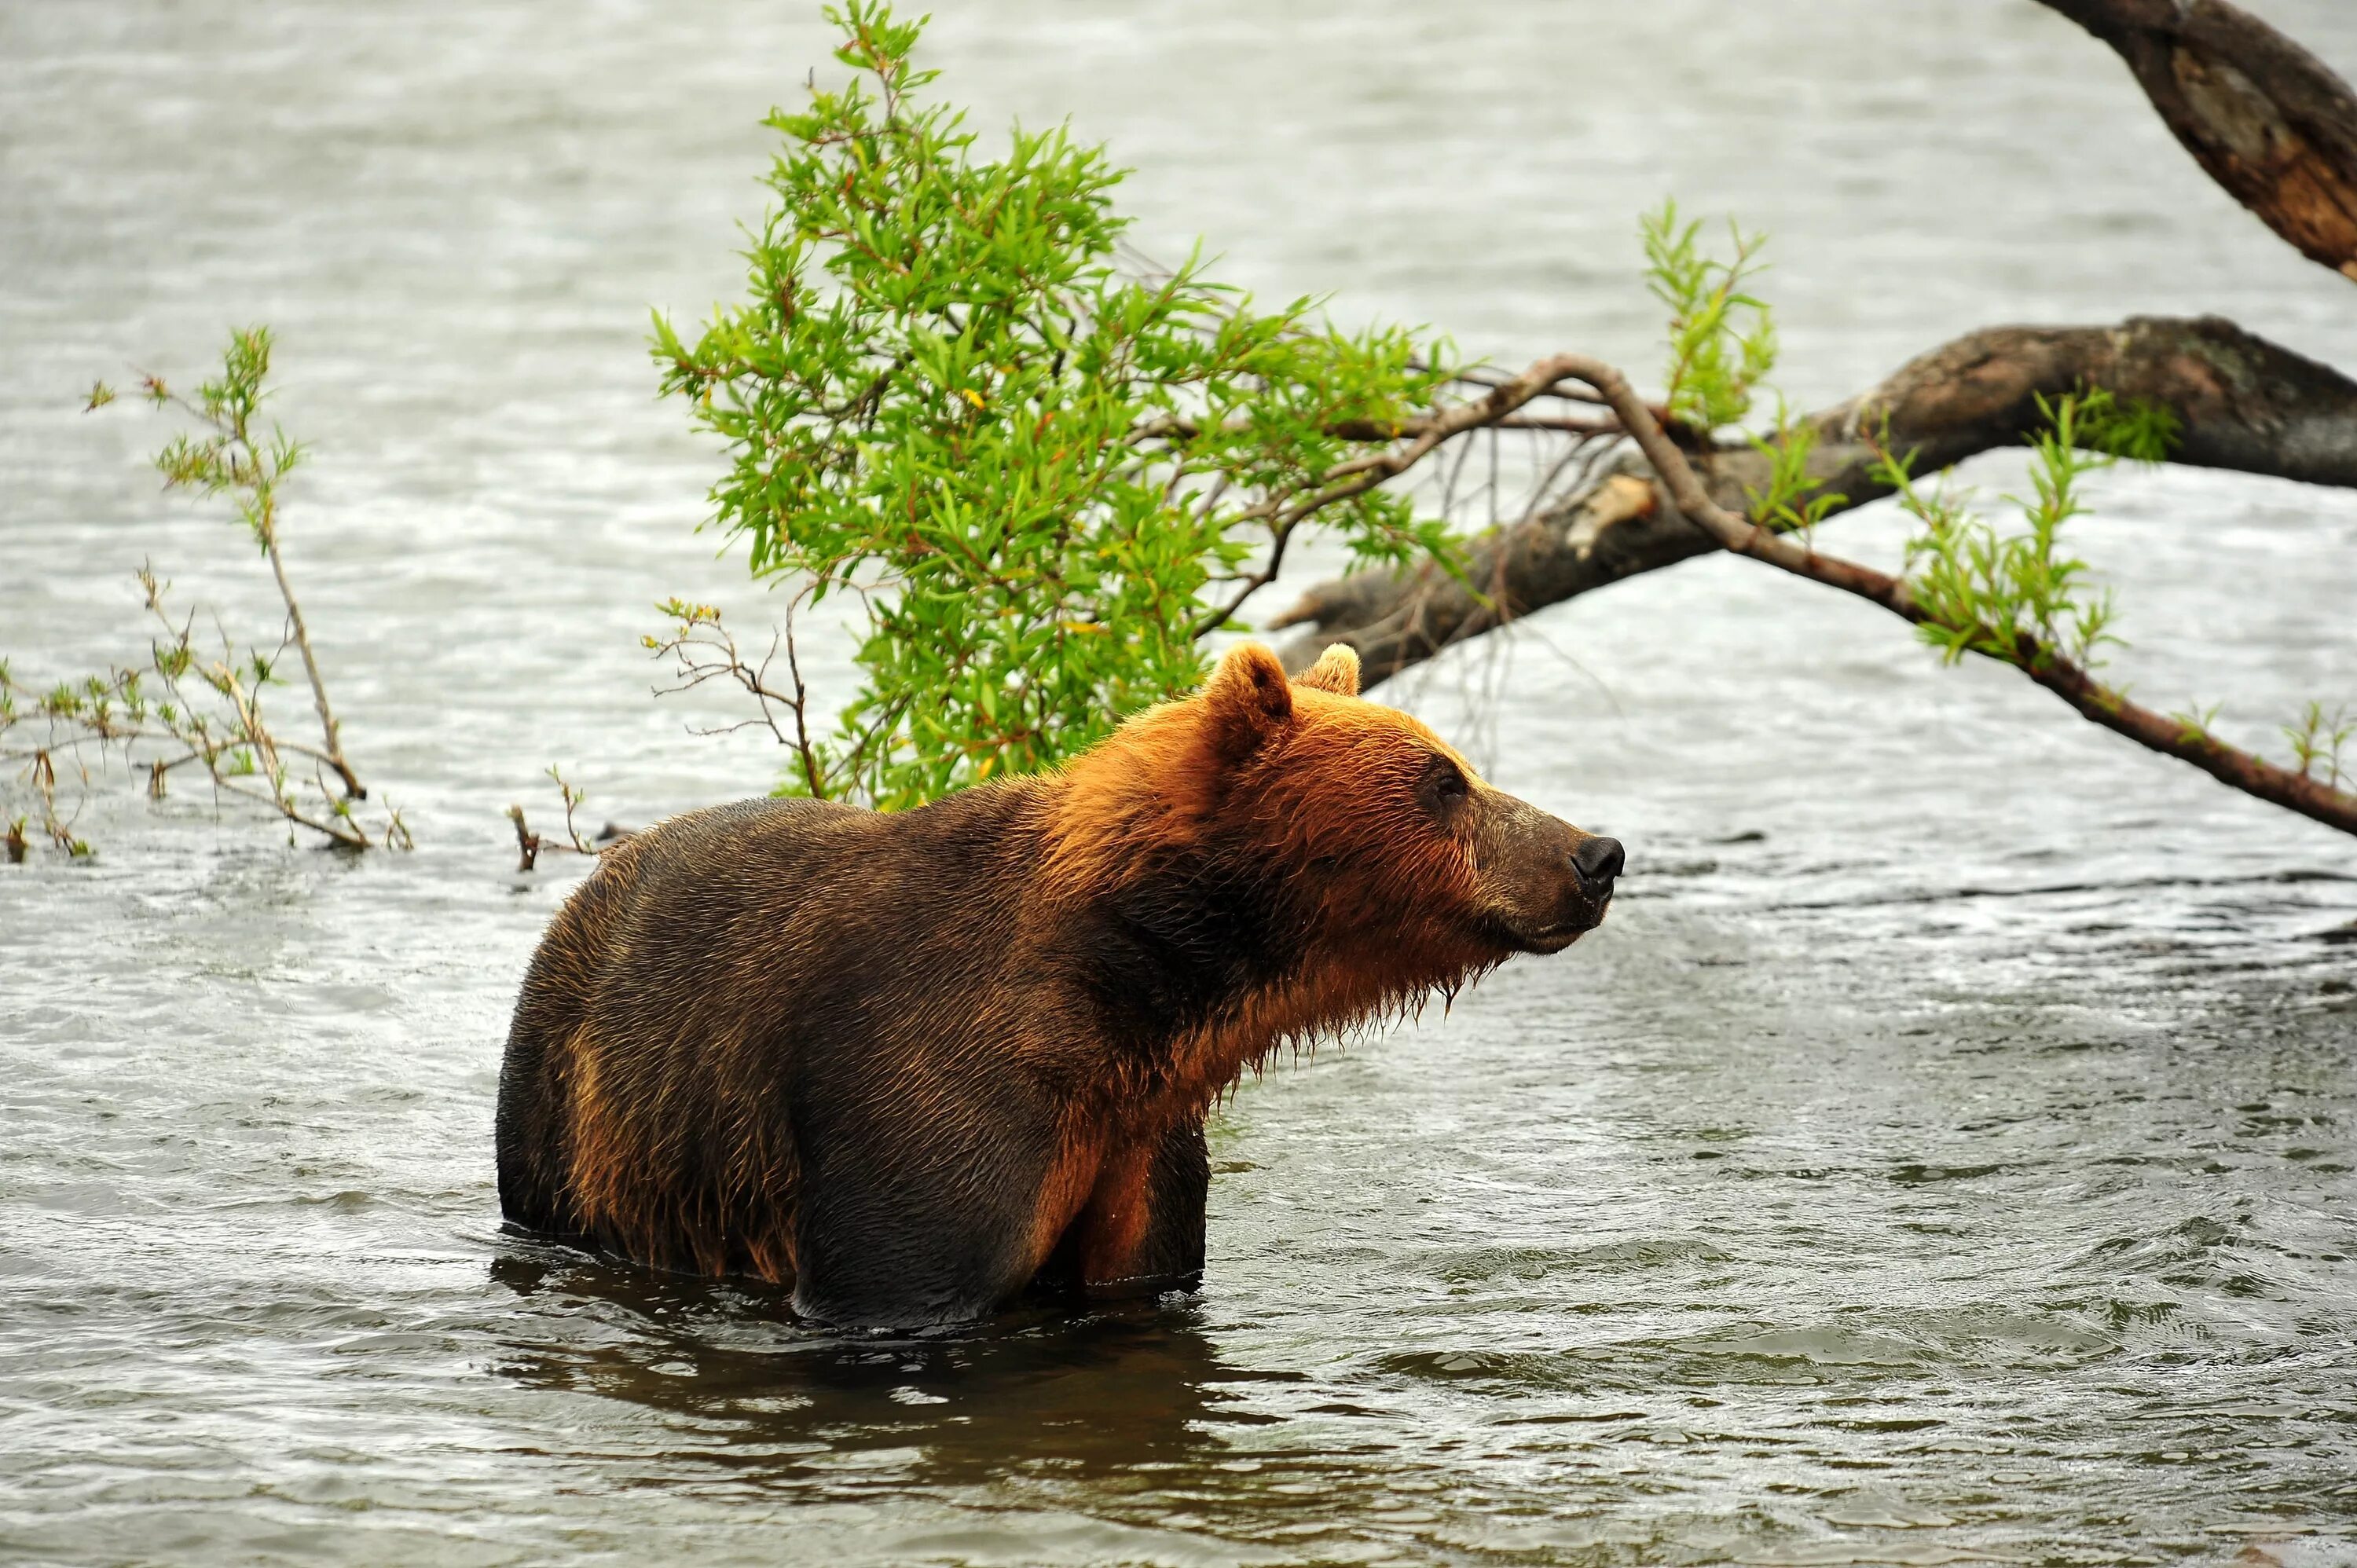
x=698, y=983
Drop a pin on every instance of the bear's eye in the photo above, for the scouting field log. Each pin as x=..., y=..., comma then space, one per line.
x=1444, y=787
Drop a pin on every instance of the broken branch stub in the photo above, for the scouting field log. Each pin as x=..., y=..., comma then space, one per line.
x=2266, y=120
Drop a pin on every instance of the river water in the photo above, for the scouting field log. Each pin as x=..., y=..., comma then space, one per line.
x=1942, y=1155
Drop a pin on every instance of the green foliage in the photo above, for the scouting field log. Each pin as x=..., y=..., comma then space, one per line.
x=2196, y=723
x=2019, y=598
x=1722, y=339
x=1042, y=479
x=230, y=455
x=1986, y=592
x=1794, y=500
x=190, y=706
x=2317, y=741
x=2139, y=430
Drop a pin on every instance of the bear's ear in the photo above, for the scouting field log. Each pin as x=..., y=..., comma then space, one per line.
x=1249, y=699
x=1336, y=670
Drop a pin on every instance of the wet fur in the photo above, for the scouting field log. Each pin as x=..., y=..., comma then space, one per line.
x=909, y=1065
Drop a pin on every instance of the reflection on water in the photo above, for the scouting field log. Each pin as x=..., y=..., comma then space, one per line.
x=1086, y=1395
x=1943, y=1155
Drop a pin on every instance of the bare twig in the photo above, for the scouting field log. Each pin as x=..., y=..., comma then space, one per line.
x=528, y=843
x=703, y=649
x=1359, y=475
x=329, y=727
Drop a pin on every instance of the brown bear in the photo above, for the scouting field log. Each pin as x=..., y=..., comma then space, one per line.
x=909, y=1065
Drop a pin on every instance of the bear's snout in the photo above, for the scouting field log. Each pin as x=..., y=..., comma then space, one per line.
x=1594, y=862
x=1547, y=883
x=1599, y=860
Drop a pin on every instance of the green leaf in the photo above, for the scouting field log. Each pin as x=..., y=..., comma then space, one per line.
x=941, y=390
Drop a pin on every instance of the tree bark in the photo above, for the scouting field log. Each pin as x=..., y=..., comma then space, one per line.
x=2243, y=403
x=2268, y=121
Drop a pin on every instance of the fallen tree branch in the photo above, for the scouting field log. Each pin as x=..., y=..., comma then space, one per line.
x=2241, y=402
x=2042, y=663
x=1359, y=474
x=2266, y=119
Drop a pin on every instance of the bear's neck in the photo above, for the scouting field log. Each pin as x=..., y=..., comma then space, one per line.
x=1181, y=942
x=1195, y=952
x=1197, y=965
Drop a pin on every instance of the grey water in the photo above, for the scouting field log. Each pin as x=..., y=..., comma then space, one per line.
x=1942, y=1155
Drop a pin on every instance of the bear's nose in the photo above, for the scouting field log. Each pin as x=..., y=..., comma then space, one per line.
x=1599, y=860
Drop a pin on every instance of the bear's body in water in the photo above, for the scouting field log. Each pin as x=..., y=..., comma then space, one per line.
x=911, y=1064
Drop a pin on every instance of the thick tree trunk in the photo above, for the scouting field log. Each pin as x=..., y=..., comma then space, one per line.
x=2267, y=120
x=2244, y=404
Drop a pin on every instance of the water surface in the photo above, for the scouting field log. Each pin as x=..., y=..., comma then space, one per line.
x=1943, y=1155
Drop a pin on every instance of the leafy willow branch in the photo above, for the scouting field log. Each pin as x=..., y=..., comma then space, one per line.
x=1052, y=476
x=233, y=458
x=2025, y=639
x=187, y=706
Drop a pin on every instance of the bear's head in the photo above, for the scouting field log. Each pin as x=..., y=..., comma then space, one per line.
x=1343, y=839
